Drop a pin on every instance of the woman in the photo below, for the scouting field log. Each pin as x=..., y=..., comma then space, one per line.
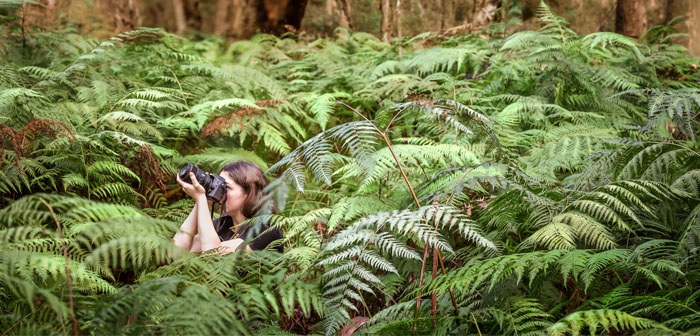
x=244, y=190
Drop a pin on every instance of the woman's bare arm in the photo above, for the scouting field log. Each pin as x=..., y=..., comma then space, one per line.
x=185, y=235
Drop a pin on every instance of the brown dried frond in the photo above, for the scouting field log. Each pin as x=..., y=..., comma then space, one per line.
x=38, y=127
x=14, y=139
x=23, y=141
x=218, y=125
x=420, y=99
x=148, y=167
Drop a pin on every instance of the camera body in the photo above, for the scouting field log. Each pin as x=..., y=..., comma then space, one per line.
x=214, y=185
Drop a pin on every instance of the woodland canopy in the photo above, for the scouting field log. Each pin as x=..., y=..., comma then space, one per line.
x=535, y=183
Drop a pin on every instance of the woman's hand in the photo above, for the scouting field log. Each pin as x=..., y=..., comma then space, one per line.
x=194, y=189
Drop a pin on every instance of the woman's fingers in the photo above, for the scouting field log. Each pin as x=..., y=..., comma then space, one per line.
x=194, y=180
x=194, y=188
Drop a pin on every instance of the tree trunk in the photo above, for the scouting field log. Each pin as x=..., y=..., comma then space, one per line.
x=122, y=15
x=399, y=32
x=280, y=16
x=631, y=18
x=385, y=27
x=443, y=14
x=180, y=20
x=345, y=14
x=694, y=29
x=221, y=18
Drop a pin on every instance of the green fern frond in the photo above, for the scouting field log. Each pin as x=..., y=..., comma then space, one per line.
x=411, y=156
x=357, y=138
x=386, y=68
x=689, y=235
x=679, y=106
x=605, y=319
x=603, y=39
x=320, y=106
x=688, y=182
x=448, y=60
x=350, y=209
x=350, y=249
x=522, y=316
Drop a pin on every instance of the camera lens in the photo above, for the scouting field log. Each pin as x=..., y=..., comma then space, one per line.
x=214, y=185
x=184, y=172
x=203, y=178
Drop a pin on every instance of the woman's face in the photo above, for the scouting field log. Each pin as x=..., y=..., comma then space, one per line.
x=235, y=196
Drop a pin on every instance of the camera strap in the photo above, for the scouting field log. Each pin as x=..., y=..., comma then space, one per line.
x=223, y=212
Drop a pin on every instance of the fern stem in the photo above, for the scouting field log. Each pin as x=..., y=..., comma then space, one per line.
x=433, y=296
x=182, y=92
x=391, y=150
x=422, y=274
x=69, y=279
x=476, y=324
x=415, y=199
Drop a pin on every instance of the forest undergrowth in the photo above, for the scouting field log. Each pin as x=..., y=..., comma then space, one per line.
x=541, y=183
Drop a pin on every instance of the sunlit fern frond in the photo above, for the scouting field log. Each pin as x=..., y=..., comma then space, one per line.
x=526, y=269
x=200, y=113
x=552, y=24
x=355, y=138
x=606, y=319
x=353, y=253
x=299, y=230
x=105, y=235
x=449, y=60
x=252, y=83
x=449, y=184
x=567, y=229
x=602, y=41
x=411, y=157
x=386, y=68
x=395, y=87
x=349, y=209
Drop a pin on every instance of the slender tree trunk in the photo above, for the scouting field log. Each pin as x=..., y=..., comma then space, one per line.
x=693, y=27
x=122, y=15
x=180, y=20
x=221, y=18
x=443, y=14
x=399, y=33
x=631, y=18
x=345, y=14
x=385, y=27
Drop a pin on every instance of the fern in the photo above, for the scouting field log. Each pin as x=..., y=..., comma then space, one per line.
x=606, y=319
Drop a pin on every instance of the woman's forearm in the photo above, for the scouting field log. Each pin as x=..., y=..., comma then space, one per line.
x=184, y=236
x=208, y=238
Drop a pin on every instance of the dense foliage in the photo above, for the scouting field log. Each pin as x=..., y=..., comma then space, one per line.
x=539, y=183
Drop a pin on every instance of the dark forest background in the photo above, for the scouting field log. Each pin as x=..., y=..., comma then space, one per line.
x=241, y=19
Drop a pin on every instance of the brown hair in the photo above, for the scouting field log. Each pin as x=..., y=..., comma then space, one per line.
x=252, y=179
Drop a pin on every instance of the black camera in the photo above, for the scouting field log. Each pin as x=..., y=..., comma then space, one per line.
x=214, y=185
